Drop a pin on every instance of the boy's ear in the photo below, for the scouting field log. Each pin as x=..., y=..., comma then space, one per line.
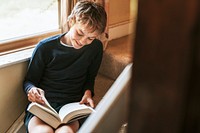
x=71, y=22
x=104, y=39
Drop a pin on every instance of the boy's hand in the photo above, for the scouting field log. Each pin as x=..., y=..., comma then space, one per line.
x=36, y=95
x=87, y=99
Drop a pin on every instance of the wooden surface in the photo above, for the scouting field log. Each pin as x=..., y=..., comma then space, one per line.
x=166, y=76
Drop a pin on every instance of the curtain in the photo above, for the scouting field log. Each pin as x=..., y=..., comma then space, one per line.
x=67, y=6
x=104, y=37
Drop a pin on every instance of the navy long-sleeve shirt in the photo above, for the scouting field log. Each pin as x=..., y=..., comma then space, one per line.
x=64, y=73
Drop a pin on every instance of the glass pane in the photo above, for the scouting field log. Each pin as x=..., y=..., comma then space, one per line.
x=25, y=17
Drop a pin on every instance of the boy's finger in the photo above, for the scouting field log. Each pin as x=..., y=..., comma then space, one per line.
x=82, y=101
x=41, y=92
x=36, y=92
x=39, y=100
x=30, y=98
x=91, y=102
x=31, y=94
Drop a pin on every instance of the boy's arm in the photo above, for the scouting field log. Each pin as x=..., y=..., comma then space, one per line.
x=34, y=74
x=94, y=67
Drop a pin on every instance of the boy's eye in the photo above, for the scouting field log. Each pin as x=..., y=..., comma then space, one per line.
x=79, y=34
x=90, y=38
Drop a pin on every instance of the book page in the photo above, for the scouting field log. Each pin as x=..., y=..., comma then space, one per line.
x=46, y=104
x=44, y=108
x=45, y=115
x=74, y=110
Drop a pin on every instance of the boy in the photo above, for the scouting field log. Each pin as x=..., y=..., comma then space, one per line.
x=64, y=67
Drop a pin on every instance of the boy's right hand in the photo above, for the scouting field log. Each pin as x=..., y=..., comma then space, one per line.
x=36, y=95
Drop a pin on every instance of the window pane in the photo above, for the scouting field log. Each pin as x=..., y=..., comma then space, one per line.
x=25, y=17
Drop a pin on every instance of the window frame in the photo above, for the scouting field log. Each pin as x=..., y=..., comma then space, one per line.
x=29, y=41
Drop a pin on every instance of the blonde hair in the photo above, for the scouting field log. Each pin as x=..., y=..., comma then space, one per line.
x=89, y=13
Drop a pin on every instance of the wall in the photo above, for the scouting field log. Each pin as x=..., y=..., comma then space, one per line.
x=122, y=18
x=12, y=97
x=119, y=11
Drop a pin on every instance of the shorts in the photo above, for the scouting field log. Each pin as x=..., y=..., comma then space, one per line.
x=56, y=106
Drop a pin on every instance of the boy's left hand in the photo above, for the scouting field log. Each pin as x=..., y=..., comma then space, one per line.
x=87, y=99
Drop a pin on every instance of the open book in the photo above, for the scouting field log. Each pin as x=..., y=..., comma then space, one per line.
x=68, y=113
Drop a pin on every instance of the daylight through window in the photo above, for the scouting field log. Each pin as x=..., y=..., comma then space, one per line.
x=19, y=18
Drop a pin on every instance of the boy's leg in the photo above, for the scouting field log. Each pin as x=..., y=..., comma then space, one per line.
x=38, y=126
x=69, y=128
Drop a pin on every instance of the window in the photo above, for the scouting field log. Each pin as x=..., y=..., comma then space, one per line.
x=23, y=19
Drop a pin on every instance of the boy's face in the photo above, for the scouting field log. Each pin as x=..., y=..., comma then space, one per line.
x=81, y=35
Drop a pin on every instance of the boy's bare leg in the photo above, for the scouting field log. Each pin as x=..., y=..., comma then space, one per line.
x=69, y=128
x=38, y=126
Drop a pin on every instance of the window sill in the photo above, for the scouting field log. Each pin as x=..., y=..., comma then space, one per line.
x=10, y=55
x=13, y=45
x=16, y=57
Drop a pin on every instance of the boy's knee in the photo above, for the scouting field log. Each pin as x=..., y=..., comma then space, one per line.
x=70, y=128
x=41, y=129
x=64, y=129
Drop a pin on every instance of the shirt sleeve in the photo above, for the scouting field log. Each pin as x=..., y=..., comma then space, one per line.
x=35, y=69
x=94, y=67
